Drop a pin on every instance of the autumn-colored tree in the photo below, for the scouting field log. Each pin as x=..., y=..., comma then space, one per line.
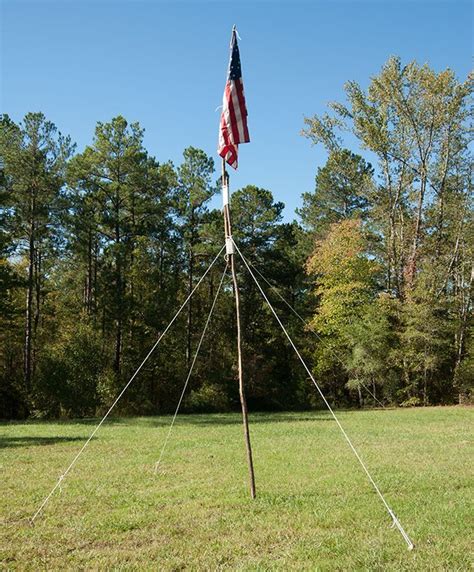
x=416, y=122
x=345, y=280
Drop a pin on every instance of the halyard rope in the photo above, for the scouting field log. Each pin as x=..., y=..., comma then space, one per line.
x=310, y=328
x=62, y=477
x=196, y=353
x=395, y=520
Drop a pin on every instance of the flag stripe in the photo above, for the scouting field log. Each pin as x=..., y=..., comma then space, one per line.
x=240, y=93
x=234, y=130
x=238, y=114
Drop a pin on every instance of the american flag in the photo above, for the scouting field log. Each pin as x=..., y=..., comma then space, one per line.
x=233, y=128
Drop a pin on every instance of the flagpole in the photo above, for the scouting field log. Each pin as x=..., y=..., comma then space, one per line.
x=231, y=259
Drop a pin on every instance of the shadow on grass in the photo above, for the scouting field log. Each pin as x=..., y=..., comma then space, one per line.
x=236, y=419
x=202, y=419
x=10, y=442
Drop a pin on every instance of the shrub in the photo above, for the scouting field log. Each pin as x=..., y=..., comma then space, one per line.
x=209, y=398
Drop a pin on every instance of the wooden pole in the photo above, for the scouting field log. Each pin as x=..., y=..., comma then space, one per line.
x=231, y=259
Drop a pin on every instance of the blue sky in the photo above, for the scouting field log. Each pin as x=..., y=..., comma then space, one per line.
x=164, y=64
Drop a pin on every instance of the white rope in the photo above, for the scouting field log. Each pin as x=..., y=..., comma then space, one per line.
x=395, y=520
x=196, y=353
x=310, y=327
x=61, y=478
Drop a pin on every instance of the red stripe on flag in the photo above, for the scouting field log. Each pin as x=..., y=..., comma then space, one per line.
x=234, y=130
x=227, y=150
x=243, y=110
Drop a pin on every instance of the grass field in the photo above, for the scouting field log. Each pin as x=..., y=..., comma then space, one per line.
x=315, y=509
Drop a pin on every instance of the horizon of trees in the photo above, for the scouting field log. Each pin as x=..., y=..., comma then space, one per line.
x=99, y=248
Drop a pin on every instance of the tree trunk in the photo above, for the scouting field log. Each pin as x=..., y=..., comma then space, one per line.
x=119, y=297
x=29, y=316
x=189, y=322
x=89, y=279
x=27, y=353
x=190, y=288
x=413, y=260
x=464, y=315
x=96, y=266
x=37, y=305
x=425, y=383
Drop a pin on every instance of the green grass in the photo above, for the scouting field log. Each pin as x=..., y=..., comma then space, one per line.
x=315, y=509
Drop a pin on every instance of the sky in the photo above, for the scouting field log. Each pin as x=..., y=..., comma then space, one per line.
x=164, y=63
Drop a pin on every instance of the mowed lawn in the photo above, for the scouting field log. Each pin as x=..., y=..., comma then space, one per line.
x=315, y=509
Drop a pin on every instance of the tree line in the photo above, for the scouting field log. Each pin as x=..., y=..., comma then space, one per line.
x=99, y=248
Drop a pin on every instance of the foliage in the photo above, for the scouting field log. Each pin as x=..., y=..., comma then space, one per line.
x=69, y=375
x=373, y=343
x=417, y=217
x=343, y=188
x=98, y=249
x=207, y=398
